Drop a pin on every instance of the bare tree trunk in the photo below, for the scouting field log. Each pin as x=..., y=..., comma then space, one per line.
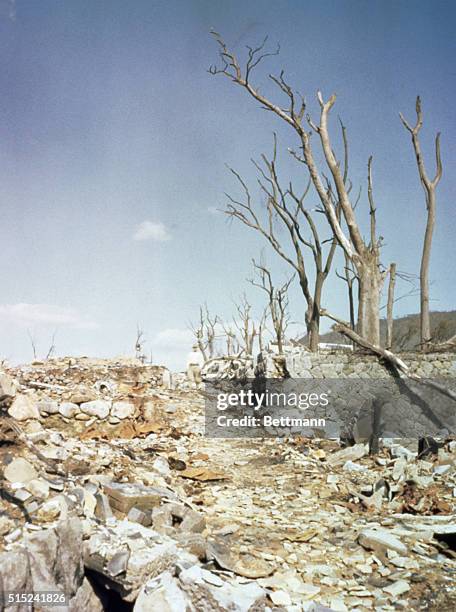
x=313, y=325
x=424, y=273
x=429, y=187
x=370, y=284
x=389, y=307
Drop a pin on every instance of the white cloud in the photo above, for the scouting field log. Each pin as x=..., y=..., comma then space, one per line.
x=214, y=210
x=25, y=315
x=174, y=339
x=147, y=230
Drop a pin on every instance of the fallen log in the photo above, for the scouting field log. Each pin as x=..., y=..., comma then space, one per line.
x=400, y=366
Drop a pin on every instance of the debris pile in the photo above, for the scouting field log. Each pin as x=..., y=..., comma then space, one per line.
x=149, y=512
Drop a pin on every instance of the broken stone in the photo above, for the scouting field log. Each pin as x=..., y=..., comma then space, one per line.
x=122, y=410
x=161, y=465
x=280, y=598
x=52, y=509
x=22, y=495
x=162, y=593
x=6, y=525
x=150, y=555
x=194, y=543
x=103, y=508
x=23, y=408
x=193, y=521
x=7, y=386
x=351, y=453
x=231, y=596
x=38, y=488
x=90, y=503
x=118, y=563
x=138, y=516
x=381, y=540
x=123, y=497
x=96, y=408
x=397, y=588
x=19, y=470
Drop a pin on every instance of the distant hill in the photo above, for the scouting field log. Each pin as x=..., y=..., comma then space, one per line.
x=406, y=331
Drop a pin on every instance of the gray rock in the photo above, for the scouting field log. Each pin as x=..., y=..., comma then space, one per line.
x=54, y=557
x=15, y=576
x=48, y=407
x=193, y=521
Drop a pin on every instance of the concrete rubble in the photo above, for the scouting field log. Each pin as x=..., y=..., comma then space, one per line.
x=118, y=498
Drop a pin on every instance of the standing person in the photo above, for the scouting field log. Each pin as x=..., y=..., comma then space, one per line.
x=195, y=362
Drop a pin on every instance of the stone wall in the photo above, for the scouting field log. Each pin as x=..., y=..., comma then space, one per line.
x=301, y=363
x=359, y=386
x=82, y=389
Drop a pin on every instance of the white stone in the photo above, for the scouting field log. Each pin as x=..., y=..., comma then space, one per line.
x=7, y=386
x=376, y=539
x=19, y=470
x=96, y=408
x=280, y=598
x=68, y=409
x=162, y=593
x=397, y=588
x=23, y=408
x=122, y=410
x=38, y=488
x=48, y=406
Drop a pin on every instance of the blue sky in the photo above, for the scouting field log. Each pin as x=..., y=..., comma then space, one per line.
x=114, y=140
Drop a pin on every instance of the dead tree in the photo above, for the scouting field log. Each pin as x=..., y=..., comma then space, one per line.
x=205, y=332
x=365, y=256
x=261, y=329
x=401, y=368
x=389, y=306
x=51, y=349
x=232, y=343
x=277, y=301
x=286, y=206
x=139, y=344
x=33, y=343
x=349, y=277
x=429, y=187
x=245, y=325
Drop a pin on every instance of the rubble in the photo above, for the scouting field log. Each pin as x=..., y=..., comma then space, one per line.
x=23, y=408
x=169, y=519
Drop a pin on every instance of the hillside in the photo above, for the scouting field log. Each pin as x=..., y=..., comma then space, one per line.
x=406, y=330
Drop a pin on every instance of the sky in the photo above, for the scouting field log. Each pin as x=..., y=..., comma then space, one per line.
x=115, y=141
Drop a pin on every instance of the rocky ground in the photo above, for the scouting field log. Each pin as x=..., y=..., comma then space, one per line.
x=112, y=494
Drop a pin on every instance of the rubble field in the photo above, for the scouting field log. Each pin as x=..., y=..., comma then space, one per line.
x=111, y=494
